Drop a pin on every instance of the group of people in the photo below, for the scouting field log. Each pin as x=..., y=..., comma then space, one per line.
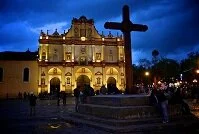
x=62, y=95
x=81, y=94
x=32, y=101
x=160, y=101
x=162, y=96
x=23, y=96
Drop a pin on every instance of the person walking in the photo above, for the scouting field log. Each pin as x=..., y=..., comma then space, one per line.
x=58, y=98
x=32, y=100
x=64, y=98
x=77, y=99
x=163, y=103
x=103, y=90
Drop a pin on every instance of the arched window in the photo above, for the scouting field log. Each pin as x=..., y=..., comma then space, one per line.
x=68, y=80
x=26, y=75
x=43, y=55
x=1, y=74
x=98, y=80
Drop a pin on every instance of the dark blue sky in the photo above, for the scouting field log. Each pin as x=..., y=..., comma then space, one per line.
x=173, y=24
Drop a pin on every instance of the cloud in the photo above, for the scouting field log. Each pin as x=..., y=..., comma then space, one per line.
x=17, y=36
x=60, y=26
x=173, y=25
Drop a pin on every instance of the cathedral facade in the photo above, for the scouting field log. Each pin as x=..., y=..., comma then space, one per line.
x=74, y=58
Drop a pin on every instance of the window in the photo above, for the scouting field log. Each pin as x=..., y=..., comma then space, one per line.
x=122, y=81
x=83, y=50
x=26, y=75
x=110, y=52
x=83, y=70
x=43, y=56
x=110, y=57
x=83, y=33
x=98, y=56
x=82, y=60
x=121, y=57
x=76, y=32
x=43, y=81
x=1, y=74
x=55, y=57
x=54, y=70
x=98, y=80
x=68, y=56
x=68, y=80
x=111, y=70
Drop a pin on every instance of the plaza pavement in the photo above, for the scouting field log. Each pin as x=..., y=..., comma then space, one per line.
x=49, y=119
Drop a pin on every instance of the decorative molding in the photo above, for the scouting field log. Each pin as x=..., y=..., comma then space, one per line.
x=68, y=74
x=98, y=73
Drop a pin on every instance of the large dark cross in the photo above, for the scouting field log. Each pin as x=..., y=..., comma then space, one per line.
x=126, y=26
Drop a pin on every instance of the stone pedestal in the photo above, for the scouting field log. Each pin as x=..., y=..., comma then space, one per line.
x=122, y=107
x=129, y=113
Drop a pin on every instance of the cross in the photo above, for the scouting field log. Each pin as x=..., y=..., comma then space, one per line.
x=126, y=26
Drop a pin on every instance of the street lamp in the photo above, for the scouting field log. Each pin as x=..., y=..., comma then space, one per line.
x=147, y=79
x=147, y=73
x=197, y=71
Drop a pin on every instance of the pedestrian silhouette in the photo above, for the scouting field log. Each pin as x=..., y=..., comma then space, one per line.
x=32, y=100
x=77, y=99
x=58, y=98
x=64, y=98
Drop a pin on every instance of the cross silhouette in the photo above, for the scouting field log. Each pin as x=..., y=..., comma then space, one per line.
x=126, y=26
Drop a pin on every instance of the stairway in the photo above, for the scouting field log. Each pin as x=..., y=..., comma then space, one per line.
x=130, y=113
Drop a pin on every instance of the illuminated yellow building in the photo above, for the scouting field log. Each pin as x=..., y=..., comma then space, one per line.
x=77, y=57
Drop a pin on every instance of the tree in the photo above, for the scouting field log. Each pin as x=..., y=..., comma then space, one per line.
x=144, y=63
x=168, y=69
x=155, y=54
x=189, y=66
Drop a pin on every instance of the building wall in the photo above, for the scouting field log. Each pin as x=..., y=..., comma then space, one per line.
x=81, y=51
x=102, y=57
x=13, y=82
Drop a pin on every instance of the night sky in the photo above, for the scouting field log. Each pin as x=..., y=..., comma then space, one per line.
x=173, y=24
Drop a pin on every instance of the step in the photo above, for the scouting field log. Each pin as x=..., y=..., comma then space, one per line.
x=141, y=125
x=119, y=100
x=125, y=112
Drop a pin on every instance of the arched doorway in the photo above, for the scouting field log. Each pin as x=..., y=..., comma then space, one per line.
x=111, y=85
x=82, y=80
x=54, y=85
x=111, y=80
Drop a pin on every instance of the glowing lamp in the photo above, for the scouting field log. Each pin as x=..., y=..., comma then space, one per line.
x=83, y=38
x=197, y=71
x=147, y=73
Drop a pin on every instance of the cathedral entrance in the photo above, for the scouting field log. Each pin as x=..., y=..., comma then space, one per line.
x=82, y=80
x=111, y=81
x=54, y=85
x=111, y=85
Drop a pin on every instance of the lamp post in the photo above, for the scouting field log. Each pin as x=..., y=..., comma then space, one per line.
x=147, y=79
x=147, y=73
x=197, y=71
